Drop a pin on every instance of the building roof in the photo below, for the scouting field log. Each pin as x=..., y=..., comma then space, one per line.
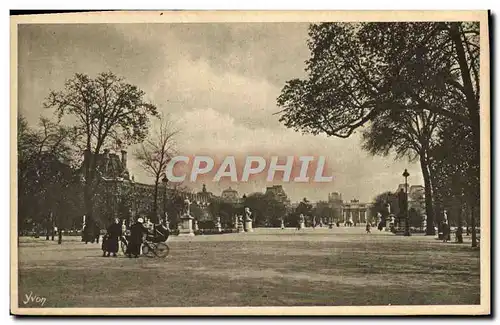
x=229, y=190
x=204, y=192
x=108, y=165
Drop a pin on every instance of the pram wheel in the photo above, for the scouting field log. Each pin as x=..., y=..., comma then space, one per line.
x=162, y=250
x=146, y=250
x=155, y=250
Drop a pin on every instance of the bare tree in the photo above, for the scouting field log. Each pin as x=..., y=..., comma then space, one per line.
x=104, y=109
x=155, y=153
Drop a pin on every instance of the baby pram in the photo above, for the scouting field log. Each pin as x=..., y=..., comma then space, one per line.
x=154, y=244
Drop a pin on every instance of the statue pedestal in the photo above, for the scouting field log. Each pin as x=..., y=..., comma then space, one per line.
x=282, y=224
x=218, y=225
x=186, y=226
x=302, y=225
x=248, y=226
x=240, y=227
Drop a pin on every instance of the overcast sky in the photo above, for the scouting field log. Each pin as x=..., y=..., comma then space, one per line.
x=218, y=82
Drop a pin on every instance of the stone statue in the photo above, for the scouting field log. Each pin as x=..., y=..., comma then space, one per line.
x=240, y=226
x=248, y=220
x=302, y=219
x=218, y=225
x=188, y=206
x=167, y=222
x=248, y=214
x=388, y=208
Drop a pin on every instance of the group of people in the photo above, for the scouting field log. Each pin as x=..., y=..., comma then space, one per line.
x=133, y=238
x=444, y=230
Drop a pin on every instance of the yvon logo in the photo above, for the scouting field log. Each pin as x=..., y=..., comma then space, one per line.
x=34, y=299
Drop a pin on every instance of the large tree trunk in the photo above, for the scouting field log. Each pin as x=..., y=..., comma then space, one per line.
x=47, y=229
x=473, y=227
x=155, y=201
x=472, y=102
x=468, y=89
x=460, y=222
x=88, y=202
x=87, y=187
x=429, y=208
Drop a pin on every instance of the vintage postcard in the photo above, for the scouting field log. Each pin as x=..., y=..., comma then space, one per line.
x=250, y=163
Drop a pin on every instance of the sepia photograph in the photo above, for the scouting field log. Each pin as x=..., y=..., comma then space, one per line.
x=250, y=163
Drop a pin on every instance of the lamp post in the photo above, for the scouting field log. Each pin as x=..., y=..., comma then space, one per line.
x=407, y=225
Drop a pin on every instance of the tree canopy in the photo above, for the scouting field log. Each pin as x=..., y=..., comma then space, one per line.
x=105, y=111
x=400, y=83
x=357, y=71
x=266, y=209
x=48, y=185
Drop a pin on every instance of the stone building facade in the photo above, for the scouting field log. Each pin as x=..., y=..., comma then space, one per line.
x=355, y=211
x=336, y=204
x=279, y=194
x=359, y=212
x=120, y=196
x=230, y=195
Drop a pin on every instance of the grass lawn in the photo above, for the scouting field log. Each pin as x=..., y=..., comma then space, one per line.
x=270, y=267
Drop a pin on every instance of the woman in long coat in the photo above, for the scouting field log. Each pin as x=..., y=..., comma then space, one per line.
x=114, y=232
x=137, y=232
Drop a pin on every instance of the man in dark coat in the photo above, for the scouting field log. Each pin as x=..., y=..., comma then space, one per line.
x=85, y=232
x=137, y=232
x=440, y=230
x=114, y=232
x=97, y=233
x=459, y=236
x=446, y=231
